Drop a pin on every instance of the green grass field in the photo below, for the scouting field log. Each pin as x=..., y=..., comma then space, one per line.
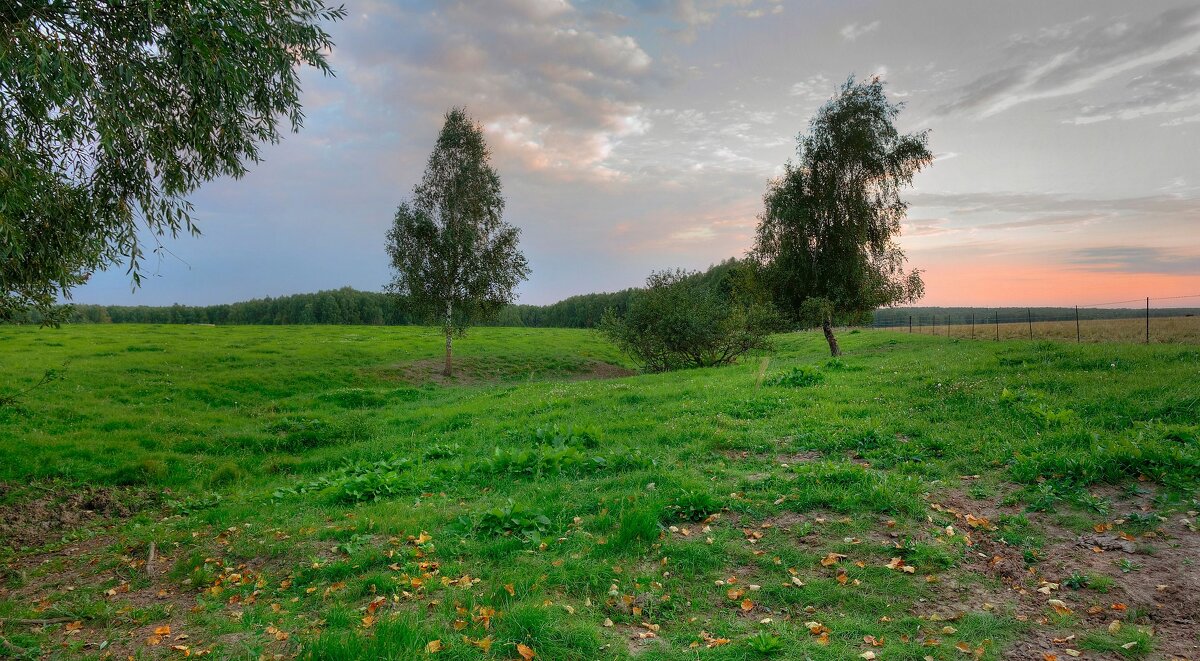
x=317, y=492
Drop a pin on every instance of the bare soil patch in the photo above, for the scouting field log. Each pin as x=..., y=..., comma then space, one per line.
x=799, y=457
x=791, y=459
x=1158, y=588
x=42, y=515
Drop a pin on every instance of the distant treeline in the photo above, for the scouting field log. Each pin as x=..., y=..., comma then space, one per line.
x=351, y=306
x=926, y=316
x=339, y=306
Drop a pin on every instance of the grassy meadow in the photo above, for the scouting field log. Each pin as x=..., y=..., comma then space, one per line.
x=320, y=492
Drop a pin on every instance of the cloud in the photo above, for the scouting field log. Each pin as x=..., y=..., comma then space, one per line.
x=814, y=88
x=1046, y=221
x=1125, y=259
x=701, y=233
x=914, y=227
x=556, y=88
x=1044, y=203
x=690, y=15
x=1180, y=121
x=694, y=144
x=1072, y=58
x=1037, y=214
x=856, y=30
x=1171, y=87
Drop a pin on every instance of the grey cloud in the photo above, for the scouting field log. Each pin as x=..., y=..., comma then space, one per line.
x=856, y=30
x=689, y=15
x=1076, y=57
x=1170, y=87
x=1180, y=121
x=1123, y=259
x=1009, y=202
x=814, y=88
x=1044, y=221
x=927, y=227
x=605, y=19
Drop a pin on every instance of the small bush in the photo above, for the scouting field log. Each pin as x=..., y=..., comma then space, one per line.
x=358, y=482
x=440, y=451
x=515, y=520
x=693, y=505
x=765, y=643
x=1077, y=581
x=797, y=377
x=681, y=321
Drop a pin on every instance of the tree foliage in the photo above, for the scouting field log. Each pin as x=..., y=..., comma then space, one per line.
x=454, y=259
x=683, y=320
x=112, y=113
x=826, y=236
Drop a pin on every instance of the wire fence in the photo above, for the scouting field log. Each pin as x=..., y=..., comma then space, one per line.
x=1164, y=319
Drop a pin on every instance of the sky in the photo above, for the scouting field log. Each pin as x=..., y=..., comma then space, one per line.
x=637, y=135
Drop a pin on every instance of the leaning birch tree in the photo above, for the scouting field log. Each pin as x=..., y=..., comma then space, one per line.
x=455, y=261
x=827, y=234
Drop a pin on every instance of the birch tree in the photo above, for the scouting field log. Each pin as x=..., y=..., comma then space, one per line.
x=827, y=235
x=455, y=261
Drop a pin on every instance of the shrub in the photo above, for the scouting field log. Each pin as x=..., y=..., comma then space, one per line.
x=797, y=377
x=358, y=482
x=514, y=519
x=765, y=643
x=681, y=321
x=693, y=505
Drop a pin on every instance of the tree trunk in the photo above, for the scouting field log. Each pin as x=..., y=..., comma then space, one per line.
x=834, y=349
x=448, y=371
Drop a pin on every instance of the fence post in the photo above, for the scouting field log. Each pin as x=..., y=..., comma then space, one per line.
x=1029, y=316
x=947, y=324
x=1077, y=340
x=1147, y=320
x=972, y=324
x=910, y=323
x=996, y=323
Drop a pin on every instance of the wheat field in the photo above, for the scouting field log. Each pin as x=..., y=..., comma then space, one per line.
x=1169, y=330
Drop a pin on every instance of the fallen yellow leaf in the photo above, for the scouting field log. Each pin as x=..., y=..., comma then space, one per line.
x=484, y=644
x=1059, y=607
x=831, y=559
